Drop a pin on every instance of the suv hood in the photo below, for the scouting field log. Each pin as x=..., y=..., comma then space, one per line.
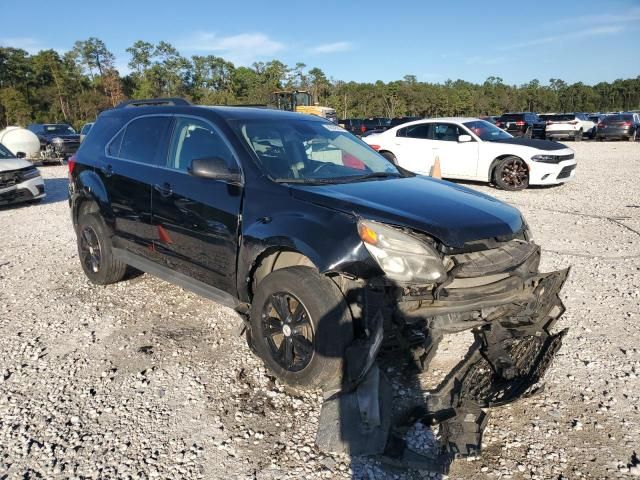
x=9, y=164
x=448, y=212
x=533, y=143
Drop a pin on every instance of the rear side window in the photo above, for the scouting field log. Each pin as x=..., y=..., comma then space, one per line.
x=415, y=131
x=140, y=140
x=567, y=117
x=194, y=139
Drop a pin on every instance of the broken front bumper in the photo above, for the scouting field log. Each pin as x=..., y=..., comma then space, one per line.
x=513, y=346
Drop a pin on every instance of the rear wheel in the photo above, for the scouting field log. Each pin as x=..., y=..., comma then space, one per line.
x=390, y=156
x=634, y=136
x=300, y=327
x=511, y=173
x=95, y=251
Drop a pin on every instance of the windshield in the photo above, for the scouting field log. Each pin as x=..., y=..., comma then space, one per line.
x=487, y=132
x=58, y=129
x=5, y=153
x=303, y=151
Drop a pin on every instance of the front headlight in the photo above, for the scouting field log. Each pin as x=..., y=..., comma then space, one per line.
x=57, y=140
x=544, y=158
x=402, y=257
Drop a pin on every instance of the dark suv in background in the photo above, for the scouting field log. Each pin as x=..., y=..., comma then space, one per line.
x=523, y=124
x=325, y=248
x=58, y=141
x=622, y=126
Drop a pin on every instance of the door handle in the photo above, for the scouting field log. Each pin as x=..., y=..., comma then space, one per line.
x=107, y=171
x=164, y=189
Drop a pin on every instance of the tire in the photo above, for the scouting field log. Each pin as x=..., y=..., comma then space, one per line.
x=390, y=156
x=600, y=139
x=99, y=264
x=578, y=136
x=317, y=336
x=634, y=136
x=511, y=173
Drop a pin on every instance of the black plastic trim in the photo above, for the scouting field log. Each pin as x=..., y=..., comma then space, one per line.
x=171, y=276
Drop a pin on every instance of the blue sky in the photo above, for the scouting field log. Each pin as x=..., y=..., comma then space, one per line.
x=588, y=41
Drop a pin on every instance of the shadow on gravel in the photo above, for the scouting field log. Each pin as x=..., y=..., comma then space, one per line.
x=57, y=189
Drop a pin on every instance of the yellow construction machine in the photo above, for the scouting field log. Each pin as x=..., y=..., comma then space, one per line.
x=300, y=101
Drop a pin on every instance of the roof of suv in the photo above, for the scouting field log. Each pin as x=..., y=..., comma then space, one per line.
x=226, y=112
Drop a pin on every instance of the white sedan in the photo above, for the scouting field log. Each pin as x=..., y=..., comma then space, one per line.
x=473, y=149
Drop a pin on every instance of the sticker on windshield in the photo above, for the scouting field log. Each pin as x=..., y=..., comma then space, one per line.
x=333, y=128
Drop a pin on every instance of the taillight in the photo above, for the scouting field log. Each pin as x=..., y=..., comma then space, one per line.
x=498, y=124
x=71, y=163
x=626, y=124
x=375, y=147
x=363, y=129
x=520, y=123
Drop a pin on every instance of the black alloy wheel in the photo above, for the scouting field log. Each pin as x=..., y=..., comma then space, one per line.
x=90, y=251
x=288, y=331
x=513, y=174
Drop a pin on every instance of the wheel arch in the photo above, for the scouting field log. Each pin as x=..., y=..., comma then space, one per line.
x=275, y=258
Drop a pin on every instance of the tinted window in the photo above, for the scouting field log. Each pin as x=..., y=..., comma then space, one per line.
x=565, y=117
x=487, y=131
x=447, y=132
x=619, y=118
x=194, y=139
x=142, y=139
x=511, y=117
x=415, y=131
x=113, y=149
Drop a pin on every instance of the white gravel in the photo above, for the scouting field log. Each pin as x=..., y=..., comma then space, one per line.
x=143, y=379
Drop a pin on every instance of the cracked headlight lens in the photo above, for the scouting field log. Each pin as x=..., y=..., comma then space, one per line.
x=402, y=257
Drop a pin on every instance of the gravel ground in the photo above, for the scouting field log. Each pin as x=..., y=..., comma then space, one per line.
x=142, y=379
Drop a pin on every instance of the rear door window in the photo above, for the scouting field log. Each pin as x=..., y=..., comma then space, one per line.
x=416, y=131
x=142, y=139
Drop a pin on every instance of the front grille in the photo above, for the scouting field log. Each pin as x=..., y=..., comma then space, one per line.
x=566, y=171
x=9, y=179
x=20, y=195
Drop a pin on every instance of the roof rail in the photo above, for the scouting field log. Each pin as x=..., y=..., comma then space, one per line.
x=154, y=102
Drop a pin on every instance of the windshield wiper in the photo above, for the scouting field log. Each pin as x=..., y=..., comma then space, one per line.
x=367, y=176
x=325, y=181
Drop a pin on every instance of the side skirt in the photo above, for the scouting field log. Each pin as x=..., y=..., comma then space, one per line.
x=176, y=278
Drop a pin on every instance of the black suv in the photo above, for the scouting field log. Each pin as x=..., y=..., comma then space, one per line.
x=58, y=141
x=331, y=254
x=523, y=124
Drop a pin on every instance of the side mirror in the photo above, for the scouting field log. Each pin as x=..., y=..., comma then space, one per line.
x=464, y=138
x=21, y=155
x=214, y=168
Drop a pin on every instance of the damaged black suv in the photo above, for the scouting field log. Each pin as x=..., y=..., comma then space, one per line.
x=333, y=256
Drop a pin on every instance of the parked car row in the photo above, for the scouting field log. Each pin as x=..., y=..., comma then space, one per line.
x=363, y=127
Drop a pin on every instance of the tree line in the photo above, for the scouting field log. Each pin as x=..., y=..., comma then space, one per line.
x=75, y=86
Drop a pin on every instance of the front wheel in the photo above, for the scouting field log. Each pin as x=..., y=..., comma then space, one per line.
x=95, y=251
x=511, y=173
x=301, y=327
